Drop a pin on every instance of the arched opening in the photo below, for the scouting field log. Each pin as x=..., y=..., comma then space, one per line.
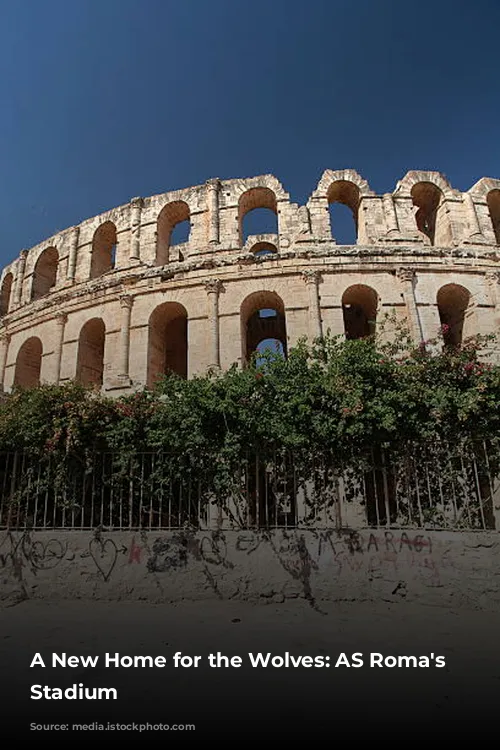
x=269, y=484
x=45, y=273
x=359, y=307
x=262, y=319
x=103, y=250
x=90, y=358
x=257, y=213
x=264, y=249
x=5, y=293
x=493, y=200
x=268, y=345
x=168, y=342
x=431, y=217
x=343, y=202
x=172, y=228
x=29, y=364
x=453, y=301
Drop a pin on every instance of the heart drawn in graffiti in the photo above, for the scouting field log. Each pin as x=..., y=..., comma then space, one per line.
x=45, y=556
x=104, y=554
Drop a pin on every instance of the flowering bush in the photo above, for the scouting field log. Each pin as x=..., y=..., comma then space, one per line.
x=347, y=397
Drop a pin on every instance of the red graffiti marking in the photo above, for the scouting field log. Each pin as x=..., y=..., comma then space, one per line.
x=135, y=553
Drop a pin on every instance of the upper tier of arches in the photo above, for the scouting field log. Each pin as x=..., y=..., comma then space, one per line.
x=255, y=217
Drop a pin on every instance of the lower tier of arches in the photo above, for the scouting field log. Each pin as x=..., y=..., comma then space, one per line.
x=130, y=340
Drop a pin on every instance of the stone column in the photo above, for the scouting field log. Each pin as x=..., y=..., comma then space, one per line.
x=126, y=302
x=73, y=250
x=4, y=349
x=213, y=287
x=213, y=187
x=406, y=277
x=136, y=205
x=21, y=265
x=61, y=320
x=390, y=213
x=472, y=219
x=312, y=279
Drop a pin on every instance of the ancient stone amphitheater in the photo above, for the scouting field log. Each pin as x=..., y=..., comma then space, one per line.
x=116, y=301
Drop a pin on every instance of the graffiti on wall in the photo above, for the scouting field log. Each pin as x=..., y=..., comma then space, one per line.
x=232, y=564
x=21, y=550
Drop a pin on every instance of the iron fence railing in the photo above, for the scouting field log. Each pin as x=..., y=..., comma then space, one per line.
x=427, y=487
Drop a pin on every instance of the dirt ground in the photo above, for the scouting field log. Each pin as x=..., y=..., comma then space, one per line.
x=282, y=700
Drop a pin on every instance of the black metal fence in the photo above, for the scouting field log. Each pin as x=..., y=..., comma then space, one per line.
x=427, y=487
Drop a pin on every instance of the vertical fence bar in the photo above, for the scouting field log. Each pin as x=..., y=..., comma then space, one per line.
x=28, y=493
x=439, y=488
x=466, y=483
x=490, y=481
x=479, y=492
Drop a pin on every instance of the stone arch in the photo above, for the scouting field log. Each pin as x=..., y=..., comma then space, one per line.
x=482, y=187
x=454, y=303
x=431, y=216
x=45, y=273
x=347, y=194
x=263, y=247
x=170, y=216
x=252, y=199
x=412, y=178
x=336, y=188
x=29, y=364
x=268, y=181
x=330, y=176
x=359, y=307
x=262, y=316
x=90, y=357
x=493, y=201
x=167, y=342
x=5, y=293
x=103, y=249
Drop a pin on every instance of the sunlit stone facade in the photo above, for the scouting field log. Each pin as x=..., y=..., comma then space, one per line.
x=116, y=302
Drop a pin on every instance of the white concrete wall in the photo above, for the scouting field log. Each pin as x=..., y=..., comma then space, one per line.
x=428, y=567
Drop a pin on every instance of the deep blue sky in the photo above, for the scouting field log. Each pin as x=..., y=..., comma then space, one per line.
x=103, y=100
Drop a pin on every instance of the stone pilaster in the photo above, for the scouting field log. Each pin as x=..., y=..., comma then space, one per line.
x=21, y=266
x=391, y=218
x=136, y=205
x=4, y=350
x=213, y=288
x=213, y=187
x=406, y=277
x=305, y=220
x=61, y=319
x=126, y=302
x=472, y=220
x=312, y=279
x=72, y=254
